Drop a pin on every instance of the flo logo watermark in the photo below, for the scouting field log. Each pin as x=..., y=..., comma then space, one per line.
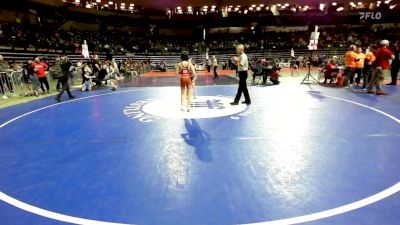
x=150, y=110
x=370, y=15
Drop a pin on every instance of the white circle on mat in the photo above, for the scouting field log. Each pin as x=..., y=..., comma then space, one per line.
x=201, y=107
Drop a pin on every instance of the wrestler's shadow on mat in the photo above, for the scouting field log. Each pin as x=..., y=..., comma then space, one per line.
x=198, y=139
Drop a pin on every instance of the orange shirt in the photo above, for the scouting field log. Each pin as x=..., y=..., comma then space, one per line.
x=370, y=57
x=350, y=59
x=360, y=63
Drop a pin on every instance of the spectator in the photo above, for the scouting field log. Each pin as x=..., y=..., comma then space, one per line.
x=27, y=72
x=87, y=78
x=67, y=69
x=215, y=66
x=105, y=75
x=369, y=59
x=359, y=67
x=96, y=65
x=383, y=56
x=4, y=77
x=350, y=63
x=40, y=69
x=395, y=66
x=330, y=71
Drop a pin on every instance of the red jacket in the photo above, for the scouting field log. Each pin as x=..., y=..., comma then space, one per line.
x=382, y=57
x=40, y=68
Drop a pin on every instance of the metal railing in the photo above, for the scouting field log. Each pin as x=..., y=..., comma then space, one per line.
x=12, y=83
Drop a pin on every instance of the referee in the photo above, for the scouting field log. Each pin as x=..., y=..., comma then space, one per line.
x=243, y=67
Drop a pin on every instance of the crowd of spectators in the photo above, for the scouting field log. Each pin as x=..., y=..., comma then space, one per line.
x=38, y=37
x=117, y=41
x=36, y=75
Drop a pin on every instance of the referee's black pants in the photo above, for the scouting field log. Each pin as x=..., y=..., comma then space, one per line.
x=243, y=87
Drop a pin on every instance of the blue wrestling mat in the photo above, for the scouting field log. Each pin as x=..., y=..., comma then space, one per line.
x=298, y=154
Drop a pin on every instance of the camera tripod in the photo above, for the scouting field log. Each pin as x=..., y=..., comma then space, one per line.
x=309, y=77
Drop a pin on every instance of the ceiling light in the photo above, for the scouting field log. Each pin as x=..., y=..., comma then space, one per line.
x=339, y=9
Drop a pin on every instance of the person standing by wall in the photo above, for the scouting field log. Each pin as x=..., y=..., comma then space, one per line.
x=208, y=64
x=242, y=66
x=215, y=65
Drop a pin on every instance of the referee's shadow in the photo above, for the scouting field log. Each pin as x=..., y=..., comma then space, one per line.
x=199, y=139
